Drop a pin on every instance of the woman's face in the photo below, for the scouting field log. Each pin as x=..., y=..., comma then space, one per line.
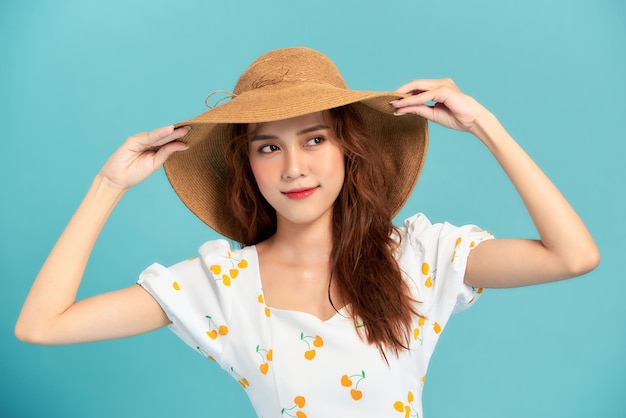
x=298, y=166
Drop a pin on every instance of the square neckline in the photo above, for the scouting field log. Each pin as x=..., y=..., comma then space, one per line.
x=341, y=313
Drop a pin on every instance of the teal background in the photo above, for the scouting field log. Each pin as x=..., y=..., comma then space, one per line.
x=77, y=77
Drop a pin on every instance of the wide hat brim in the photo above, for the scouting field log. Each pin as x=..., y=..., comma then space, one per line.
x=199, y=175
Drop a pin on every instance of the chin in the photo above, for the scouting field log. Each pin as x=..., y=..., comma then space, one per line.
x=301, y=219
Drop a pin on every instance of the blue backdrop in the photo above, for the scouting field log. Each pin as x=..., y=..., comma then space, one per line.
x=78, y=76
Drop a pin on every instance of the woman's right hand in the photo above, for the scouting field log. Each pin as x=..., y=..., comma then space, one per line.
x=51, y=314
x=141, y=155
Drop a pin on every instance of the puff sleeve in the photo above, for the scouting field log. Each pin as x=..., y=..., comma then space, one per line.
x=195, y=295
x=434, y=257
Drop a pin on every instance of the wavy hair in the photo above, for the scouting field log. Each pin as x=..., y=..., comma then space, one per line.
x=363, y=265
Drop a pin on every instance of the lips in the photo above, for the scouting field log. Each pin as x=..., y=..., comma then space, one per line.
x=300, y=193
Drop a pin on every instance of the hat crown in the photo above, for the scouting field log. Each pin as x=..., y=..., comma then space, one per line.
x=289, y=65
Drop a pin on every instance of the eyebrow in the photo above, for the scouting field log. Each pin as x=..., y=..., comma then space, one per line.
x=302, y=132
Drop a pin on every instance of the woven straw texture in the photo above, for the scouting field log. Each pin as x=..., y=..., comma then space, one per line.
x=282, y=84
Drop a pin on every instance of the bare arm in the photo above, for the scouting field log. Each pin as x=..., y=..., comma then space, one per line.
x=50, y=314
x=565, y=248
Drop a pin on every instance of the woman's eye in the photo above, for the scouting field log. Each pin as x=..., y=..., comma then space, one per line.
x=315, y=141
x=266, y=149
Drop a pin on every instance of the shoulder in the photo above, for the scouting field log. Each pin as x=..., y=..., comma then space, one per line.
x=222, y=248
x=434, y=258
x=215, y=247
x=419, y=230
x=215, y=266
x=220, y=259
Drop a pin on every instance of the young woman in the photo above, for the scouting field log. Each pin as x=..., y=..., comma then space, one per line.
x=327, y=309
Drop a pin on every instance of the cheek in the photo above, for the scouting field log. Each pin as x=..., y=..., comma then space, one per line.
x=256, y=170
x=262, y=172
x=335, y=166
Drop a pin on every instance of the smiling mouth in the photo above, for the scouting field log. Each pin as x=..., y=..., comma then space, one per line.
x=302, y=193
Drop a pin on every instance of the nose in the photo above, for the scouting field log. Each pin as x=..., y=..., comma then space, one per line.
x=295, y=164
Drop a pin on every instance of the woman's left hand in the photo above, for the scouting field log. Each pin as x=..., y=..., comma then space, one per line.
x=565, y=249
x=452, y=108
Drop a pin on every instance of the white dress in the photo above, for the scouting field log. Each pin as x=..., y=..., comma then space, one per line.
x=292, y=364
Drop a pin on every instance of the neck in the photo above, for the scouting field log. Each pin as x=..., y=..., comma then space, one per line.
x=310, y=242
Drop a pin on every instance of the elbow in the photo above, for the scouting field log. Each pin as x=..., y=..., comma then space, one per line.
x=584, y=262
x=28, y=334
x=592, y=260
x=23, y=334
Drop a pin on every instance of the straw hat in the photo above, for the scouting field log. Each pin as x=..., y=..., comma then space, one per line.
x=282, y=84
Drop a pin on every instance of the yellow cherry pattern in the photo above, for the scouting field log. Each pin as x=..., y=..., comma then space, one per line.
x=407, y=408
x=429, y=275
x=262, y=302
x=352, y=382
x=456, y=247
x=297, y=409
x=230, y=273
x=471, y=245
x=477, y=290
x=417, y=334
x=315, y=341
x=240, y=379
x=355, y=387
x=419, y=329
x=216, y=330
x=205, y=354
x=266, y=358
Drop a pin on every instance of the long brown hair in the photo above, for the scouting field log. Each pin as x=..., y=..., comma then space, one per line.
x=363, y=266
